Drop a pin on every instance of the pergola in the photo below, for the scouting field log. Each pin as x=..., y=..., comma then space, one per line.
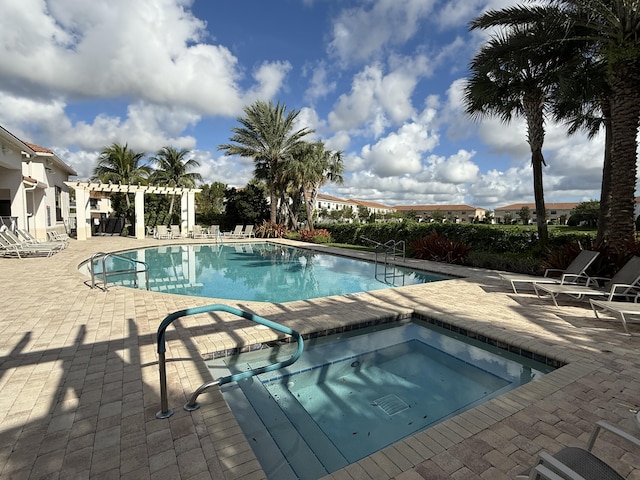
x=83, y=212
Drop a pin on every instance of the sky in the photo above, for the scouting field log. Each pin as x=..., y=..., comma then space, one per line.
x=380, y=80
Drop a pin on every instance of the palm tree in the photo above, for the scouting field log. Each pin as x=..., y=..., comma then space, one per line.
x=319, y=167
x=610, y=29
x=509, y=76
x=173, y=169
x=117, y=163
x=267, y=135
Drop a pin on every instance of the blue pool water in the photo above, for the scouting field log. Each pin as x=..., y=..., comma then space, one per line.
x=260, y=271
x=350, y=396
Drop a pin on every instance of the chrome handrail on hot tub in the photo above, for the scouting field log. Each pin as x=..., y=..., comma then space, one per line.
x=165, y=411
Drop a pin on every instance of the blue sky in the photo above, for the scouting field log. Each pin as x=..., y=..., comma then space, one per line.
x=380, y=80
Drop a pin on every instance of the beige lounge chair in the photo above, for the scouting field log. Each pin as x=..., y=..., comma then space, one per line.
x=214, y=232
x=247, y=232
x=574, y=273
x=26, y=237
x=199, y=232
x=162, y=232
x=577, y=463
x=175, y=231
x=622, y=284
x=11, y=247
x=236, y=233
x=621, y=309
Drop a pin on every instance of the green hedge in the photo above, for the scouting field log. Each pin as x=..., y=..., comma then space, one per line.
x=514, y=249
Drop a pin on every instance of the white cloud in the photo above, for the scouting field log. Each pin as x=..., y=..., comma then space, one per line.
x=456, y=169
x=362, y=33
x=152, y=49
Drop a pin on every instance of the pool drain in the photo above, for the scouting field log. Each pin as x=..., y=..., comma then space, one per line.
x=390, y=404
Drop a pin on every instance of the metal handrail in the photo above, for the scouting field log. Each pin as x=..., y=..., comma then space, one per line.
x=165, y=411
x=105, y=275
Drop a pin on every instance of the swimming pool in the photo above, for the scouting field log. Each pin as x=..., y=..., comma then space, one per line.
x=350, y=395
x=264, y=272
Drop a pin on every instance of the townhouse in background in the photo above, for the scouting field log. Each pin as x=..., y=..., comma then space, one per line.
x=33, y=195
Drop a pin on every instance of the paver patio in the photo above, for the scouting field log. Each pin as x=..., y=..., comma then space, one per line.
x=79, y=384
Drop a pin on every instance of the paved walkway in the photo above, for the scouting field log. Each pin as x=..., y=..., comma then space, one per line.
x=79, y=382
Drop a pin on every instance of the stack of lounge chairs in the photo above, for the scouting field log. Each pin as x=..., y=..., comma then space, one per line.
x=26, y=245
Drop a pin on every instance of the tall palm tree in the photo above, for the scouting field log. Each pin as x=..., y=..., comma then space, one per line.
x=267, y=135
x=612, y=28
x=118, y=163
x=611, y=31
x=322, y=166
x=172, y=170
x=509, y=76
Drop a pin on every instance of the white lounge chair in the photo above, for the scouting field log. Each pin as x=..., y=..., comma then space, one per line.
x=26, y=237
x=199, y=232
x=11, y=247
x=574, y=273
x=214, y=232
x=247, y=232
x=622, y=284
x=236, y=233
x=621, y=309
x=175, y=231
x=162, y=232
x=577, y=463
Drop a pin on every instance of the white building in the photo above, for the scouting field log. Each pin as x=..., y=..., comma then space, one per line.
x=33, y=195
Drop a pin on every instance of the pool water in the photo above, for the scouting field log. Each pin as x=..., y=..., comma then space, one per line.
x=260, y=271
x=349, y=396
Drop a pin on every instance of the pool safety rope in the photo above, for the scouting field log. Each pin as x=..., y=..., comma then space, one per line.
x=165, y=411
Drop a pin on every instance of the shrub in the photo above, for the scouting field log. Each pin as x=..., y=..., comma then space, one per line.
x=440, y=249
x=271, y=230
x=292, y=236
x=315, y=236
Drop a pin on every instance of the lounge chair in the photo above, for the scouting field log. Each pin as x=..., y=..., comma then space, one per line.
x=10, y=247
x=622, y=284
x=27, y=238
x=622, y=309
x=175, y=231
x=214, y=232
x=162, y=232
x=236, y=233
x=58, y=237
x=576, y=463
x=574, y=273
x=247, y=232
x=198, y=232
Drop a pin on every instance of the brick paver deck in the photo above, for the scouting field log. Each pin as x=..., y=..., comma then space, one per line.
x=79, y=382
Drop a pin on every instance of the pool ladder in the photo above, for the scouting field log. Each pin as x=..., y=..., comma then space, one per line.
x=392, y=250
x=137, y=266
x=191, y=405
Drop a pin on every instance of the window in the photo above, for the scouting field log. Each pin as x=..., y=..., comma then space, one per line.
x=58, y=204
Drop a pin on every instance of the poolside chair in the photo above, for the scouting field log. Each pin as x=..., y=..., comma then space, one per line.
x=621, y=309
x=175, y=231
x=26, y=237
x=214, y=232
x=622, y=284
x=15, y=240
x=247, y=232
x=574, y=273
x=236, y=233
x=162, y=232
x=577, y=463
x=10, y=247
x=198, y=232
x=58, y=237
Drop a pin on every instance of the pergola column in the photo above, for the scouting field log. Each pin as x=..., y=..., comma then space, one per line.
x=139, y=205
x=188, y=210
x=83, y=220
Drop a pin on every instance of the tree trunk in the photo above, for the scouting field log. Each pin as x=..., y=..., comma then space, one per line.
x=604, y=214
x=625, y=110
x=533, y=108
x=273, y=208
x=310, y=204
